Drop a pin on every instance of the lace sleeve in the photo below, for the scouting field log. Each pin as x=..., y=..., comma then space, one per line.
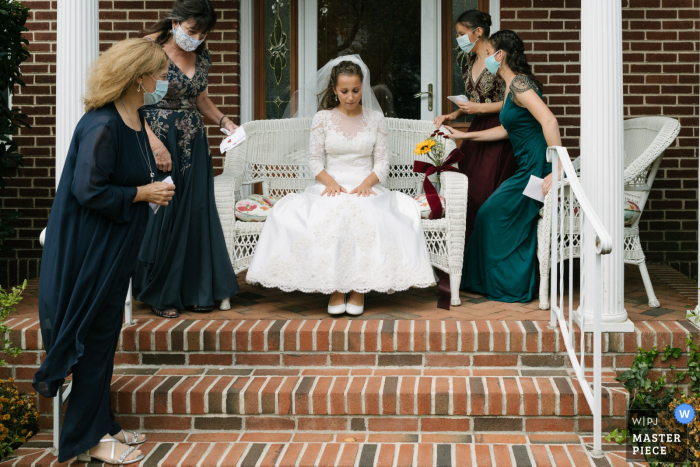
x=381, y=152
x=317, y=145
x=522, y=83
x=502, y=92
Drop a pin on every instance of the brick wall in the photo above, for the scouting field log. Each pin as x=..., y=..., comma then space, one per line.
x=32, y=190
x=661, y=78
x=660, y=47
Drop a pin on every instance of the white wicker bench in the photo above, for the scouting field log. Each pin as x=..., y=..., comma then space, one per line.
x=275, y=154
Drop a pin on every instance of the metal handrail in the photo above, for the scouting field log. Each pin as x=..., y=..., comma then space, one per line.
x=603, y=246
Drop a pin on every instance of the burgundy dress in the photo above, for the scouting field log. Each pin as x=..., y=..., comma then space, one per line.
x=487, y=165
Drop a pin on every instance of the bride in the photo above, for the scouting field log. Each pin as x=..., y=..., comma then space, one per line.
x=346, y=233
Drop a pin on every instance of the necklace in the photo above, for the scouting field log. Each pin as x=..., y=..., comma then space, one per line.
x=143, y=153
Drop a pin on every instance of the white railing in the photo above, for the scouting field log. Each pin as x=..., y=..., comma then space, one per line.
x=61, y=396
x=577, y=213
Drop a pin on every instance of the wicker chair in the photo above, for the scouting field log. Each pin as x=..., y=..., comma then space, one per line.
x=275, y=154
x=645, y=142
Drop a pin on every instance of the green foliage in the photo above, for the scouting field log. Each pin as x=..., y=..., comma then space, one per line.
x=13, y=51
x=19, y=418
x=644, y=393
x=7, y=305
x=619, y=439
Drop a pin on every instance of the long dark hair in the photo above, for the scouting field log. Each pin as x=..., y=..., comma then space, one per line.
x=345, y=68
x=510, y=43
x=473, y=19
x=200, y=11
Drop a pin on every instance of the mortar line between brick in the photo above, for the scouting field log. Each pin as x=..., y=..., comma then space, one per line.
x=169, y=399
x=241, y=396
x=412, y=334
x=206, y=394
x=259, y=395
x=277, y=395
x=250, y=335
x=137, y=333
x=443, y=343
x=244, y=454
x=298, y=333
x=486, y=395
x=282, y=453
x=476, y=336
x=346, y=336
x=294, y=394
x=201, y=335
x=328, y=395
x=314, y=346
x=362, y=336
x=265, y=337
x=184, y=456
x=217, y=346
x=205, y=454
x=379, y=335
x=450, y=399
x=503, y=395
x=521, y=397
x=381, y=395
x=345, y=394
x=133, y=395
x=282, y=331
x=223, y=456
x=469, y=397
x=459, y=336
x=233, y=334
x=491, y=343
x=185, y=340
x=224, y=394
x=153, y=336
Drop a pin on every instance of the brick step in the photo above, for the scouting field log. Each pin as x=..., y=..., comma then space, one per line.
x=359, y=335
x=359, y=395
x=347, y=450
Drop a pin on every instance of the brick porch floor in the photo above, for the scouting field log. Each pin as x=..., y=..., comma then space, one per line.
x=676, y=292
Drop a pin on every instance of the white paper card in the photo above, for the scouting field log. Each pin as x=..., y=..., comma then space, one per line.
x=534, y=189
x=458, y=99
x=232, y=140
x=154, y=206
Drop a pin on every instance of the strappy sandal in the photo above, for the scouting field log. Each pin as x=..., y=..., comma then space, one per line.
x=202, y=309
x=87, y=457
x=164, y=313
x=134, y=438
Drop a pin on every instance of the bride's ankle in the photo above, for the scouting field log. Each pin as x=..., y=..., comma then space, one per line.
x=356, y=298
x=337, y=298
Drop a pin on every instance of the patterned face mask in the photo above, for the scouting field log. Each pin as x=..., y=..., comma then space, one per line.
x=185, y=41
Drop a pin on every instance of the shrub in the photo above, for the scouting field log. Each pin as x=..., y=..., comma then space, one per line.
x=19, y=418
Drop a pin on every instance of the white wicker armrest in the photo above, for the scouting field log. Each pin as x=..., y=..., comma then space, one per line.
x=454, y=188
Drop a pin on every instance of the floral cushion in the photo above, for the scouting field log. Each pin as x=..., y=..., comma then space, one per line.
x=632, y=212
x=254, y=208
x=424, y=207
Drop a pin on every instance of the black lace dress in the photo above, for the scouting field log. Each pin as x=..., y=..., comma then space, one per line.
x=183, y=259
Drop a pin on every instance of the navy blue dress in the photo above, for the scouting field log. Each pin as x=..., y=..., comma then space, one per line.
x=183, y=260
x=92, y=243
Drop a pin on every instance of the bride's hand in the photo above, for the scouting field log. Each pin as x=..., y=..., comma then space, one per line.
x=547, y=184
x=454, y=134
x=333, y=189
x=363, y=189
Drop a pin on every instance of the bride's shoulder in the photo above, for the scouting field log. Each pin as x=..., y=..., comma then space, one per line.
x=321, y=116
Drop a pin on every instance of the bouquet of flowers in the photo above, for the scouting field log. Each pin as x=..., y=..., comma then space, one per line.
x=434, y=148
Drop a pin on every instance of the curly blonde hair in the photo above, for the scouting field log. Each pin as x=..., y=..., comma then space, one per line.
x=116, y=70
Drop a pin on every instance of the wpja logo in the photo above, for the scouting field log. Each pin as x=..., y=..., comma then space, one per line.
x=659, y=436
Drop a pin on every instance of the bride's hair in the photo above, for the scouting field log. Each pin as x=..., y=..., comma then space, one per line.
x=509, y=42
x=345, y=68
x=473, y=19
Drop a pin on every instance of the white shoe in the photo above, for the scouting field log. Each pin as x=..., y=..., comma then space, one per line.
x=225, y=304
x=336, y=309
x=355, y=310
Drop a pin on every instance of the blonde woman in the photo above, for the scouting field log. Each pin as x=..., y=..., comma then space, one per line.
x=97, y=223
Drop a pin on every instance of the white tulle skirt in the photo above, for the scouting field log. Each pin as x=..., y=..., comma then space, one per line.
x=325, y=244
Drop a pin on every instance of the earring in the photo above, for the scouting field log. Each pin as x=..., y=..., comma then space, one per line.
x=139, y=88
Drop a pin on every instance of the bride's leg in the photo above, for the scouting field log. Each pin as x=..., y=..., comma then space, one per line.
x=356, y=298
x=337, y=298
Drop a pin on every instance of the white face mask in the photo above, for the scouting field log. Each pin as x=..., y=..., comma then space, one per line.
x=465, y=44
x=185, y=41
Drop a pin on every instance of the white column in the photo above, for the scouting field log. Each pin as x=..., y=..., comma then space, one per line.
x=602, y=145
x=247, y=60
x=77, y=42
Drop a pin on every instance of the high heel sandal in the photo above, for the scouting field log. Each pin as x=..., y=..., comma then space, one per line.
x=134, y=438
x=87, y=457
x=336, y=309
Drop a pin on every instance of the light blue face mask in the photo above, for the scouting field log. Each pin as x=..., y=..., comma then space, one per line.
x=464, y=43
x=492, y=65
x=150, y=98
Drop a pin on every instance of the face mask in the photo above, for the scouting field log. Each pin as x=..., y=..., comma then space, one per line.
x=465, y=44
x=492, y=65
x=185, y=41
x=150, y=98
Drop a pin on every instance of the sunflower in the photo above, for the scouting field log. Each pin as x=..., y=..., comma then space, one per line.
x=424, y=147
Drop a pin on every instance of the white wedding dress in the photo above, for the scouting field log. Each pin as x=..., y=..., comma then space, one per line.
x=343, y=243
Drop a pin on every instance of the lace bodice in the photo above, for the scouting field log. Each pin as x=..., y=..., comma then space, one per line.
x=343, y=144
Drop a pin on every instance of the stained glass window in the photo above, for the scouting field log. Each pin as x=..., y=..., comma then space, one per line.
x=278, y=50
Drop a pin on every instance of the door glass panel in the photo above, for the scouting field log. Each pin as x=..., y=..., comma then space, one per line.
x=278, y=58
x=387, y=35
x=458, y=86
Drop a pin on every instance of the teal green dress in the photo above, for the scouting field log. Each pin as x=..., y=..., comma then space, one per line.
x=501, y=259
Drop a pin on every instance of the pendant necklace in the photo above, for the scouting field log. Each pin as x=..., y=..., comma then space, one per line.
x=143, y=153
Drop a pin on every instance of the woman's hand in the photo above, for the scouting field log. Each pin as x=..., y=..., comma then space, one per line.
x=547, y=184
x=439, y=120
x=157, y=193
x=163, y=158
x=332, y=189
x=363, y=189
x=229, y=125
x=454, y=134
x=469, y=107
